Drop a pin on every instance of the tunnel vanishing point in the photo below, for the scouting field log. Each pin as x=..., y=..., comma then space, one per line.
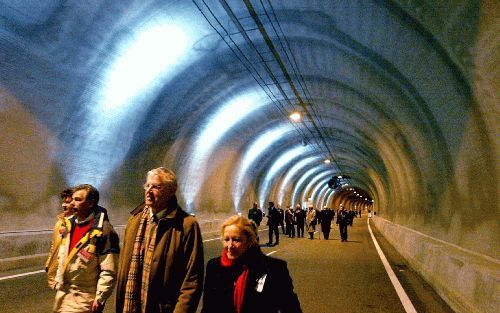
x=397, y=97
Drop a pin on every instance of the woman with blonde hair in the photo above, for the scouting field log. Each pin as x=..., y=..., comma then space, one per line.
x=243, y=279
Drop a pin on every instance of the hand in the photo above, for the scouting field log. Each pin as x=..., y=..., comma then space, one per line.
x=97, y=307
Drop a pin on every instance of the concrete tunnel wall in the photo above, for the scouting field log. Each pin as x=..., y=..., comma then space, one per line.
x=428, y=161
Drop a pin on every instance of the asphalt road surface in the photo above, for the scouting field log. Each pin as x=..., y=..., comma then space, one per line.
x=328, y=276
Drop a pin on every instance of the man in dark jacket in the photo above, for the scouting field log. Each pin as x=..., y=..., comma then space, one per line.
x=300, y=219
x=273, y=221
x=325, y=218
x=343, y=220
x=255, y=214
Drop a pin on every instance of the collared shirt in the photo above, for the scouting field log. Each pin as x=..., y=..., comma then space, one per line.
x=88, y=218
x=152, y=225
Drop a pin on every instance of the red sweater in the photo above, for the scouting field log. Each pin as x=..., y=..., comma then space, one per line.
x=78, y=232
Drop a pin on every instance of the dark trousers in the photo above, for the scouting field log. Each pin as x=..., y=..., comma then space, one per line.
x=300, y=230
x=326, y=231
x=343, y=231
x=290, y=230
x=274, y=229
x=282, y=227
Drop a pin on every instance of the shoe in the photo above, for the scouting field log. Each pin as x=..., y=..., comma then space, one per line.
x=276, y=243
x=269, y=244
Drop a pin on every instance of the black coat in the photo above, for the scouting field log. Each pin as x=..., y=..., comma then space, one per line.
x=274, y=295
x=274, y=216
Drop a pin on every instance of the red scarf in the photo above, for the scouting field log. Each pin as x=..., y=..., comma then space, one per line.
x=240, y=284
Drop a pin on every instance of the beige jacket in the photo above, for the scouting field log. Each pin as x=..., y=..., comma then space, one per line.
x=88, y=271
x=51, y=263
x=176, y=279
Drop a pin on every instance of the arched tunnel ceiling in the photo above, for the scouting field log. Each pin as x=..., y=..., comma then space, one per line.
x=206, y=87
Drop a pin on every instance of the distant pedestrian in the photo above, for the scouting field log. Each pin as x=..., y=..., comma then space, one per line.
x=343, y=221
x=300, y=219
x=281, y=218
x=325, y=218
x=311, y=220
x=255, y=214
x=351, y=214
x=273, y=217
x=289, y=221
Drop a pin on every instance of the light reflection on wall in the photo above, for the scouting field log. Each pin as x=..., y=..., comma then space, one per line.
x=253, y=153
x=329, y=198
x=133, y=74
x=320, y=193
x=214, y=129
x=313, y=182
x=291, y=173
x=143, y=61
x=277, y=166
x=315, y=193
x=302, y=179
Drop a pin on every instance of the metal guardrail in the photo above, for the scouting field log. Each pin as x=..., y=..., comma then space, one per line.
x=28, y=232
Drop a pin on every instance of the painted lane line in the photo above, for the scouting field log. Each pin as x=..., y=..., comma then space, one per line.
x=21, y=275
x=403, y=297
x=206, y=240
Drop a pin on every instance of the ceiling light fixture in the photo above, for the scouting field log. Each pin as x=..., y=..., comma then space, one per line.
x=296, y=116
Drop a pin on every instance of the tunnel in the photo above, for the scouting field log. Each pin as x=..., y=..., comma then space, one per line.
x=395, y=99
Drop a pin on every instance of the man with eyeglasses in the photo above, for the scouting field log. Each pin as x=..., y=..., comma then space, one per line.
x=161, y=263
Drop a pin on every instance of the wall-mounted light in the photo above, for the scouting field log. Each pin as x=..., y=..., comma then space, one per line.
x=327, y=161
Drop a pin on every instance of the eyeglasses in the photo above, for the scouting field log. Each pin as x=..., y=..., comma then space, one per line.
x=153, y=187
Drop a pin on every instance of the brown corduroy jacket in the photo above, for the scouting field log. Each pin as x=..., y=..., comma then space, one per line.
x=176, y=278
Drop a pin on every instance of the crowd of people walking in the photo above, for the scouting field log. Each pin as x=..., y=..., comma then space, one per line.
x=160, y=265
x=297, y=220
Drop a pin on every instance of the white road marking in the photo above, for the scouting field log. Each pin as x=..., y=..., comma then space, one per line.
x=218, y=238
x=405, y=300
x=21, y=275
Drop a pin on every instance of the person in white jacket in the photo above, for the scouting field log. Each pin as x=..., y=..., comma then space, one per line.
x=87, y=259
